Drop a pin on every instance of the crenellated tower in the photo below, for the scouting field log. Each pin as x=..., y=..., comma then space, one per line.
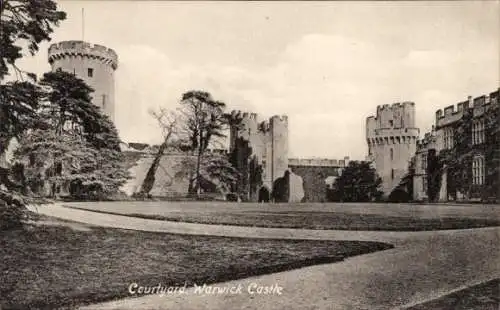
x=391, y=136
x=268, y=141
x=95, y=64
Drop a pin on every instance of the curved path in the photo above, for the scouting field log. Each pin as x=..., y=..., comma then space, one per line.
x=422, y=266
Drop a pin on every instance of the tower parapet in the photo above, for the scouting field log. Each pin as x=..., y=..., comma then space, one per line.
x=93, y=63
x=83, y=49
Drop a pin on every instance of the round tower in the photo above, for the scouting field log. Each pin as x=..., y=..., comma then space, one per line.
x=95, y=64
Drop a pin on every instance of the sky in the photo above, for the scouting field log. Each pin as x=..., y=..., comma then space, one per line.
x=327, y=65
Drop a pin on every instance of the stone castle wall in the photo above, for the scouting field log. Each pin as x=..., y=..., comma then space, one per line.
x=442, y=137
x=268, y=141
x=391, y=136
x=79, y=57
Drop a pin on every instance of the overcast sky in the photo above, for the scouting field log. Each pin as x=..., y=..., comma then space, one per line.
x=326, y=65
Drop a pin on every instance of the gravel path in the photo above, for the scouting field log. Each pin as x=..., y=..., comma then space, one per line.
x=422, y=266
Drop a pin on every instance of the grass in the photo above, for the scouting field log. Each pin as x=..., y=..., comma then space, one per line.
x=47, y=267
x=484, y=296
x=311, y=220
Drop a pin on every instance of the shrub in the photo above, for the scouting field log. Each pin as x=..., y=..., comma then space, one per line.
x=399, y=195
x=12, y=211
x=232, y=197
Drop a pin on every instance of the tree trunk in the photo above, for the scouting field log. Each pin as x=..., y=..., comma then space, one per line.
x=197, y=186
x=149, y=180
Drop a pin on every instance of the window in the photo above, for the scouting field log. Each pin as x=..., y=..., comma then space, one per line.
x=478, y=171
x=424, y=183
x=103, y=101
x=392, y=174
x=392, y=154
x=90, y=72
x=74, y=71
x=478, y=132
x=391, y=123
x=424, y=162
x=448, y=138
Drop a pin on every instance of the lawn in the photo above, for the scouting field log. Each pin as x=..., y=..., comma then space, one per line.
x=485, y=296
x=292, y=217
x=50, y=266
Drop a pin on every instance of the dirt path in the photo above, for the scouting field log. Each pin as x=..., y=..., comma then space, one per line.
x=422, y=266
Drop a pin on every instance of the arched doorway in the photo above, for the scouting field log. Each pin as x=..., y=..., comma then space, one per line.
x=264, y=195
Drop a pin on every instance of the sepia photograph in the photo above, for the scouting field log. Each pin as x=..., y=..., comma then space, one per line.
x=261, y=155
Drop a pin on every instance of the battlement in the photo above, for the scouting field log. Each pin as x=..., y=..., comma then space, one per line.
x=264, y=126
x=429, y=137
x=392, y=119
x=450, y=115
x=279, y=118
x=318, y=162
x=83, y=49
x=252, y=116
x=395, y=105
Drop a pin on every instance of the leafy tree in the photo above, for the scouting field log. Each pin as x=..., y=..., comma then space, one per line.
x=434, y=175
x=18, y=110
x=240, y=160
x=50, y=157
x=216, y=173
x=359, y=182
x=25, y=23
x=22, y=23
x=205, y=122
x=281, y=188
x=492, y=152
x=69, y=108
x=74, y=123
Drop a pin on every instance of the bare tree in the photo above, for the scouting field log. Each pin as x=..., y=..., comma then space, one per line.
x=169, y=122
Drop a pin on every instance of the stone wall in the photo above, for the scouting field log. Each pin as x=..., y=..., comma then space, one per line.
x=169, y=180
x=314, y=181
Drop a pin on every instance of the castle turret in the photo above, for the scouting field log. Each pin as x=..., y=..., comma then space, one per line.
x=279, y=145
x=95, y=64
x=391, y=136
x=268, y=143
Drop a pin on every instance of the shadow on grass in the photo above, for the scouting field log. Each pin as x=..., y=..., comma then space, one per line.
x=314, y=220
x=46, y=267
x=484, y=296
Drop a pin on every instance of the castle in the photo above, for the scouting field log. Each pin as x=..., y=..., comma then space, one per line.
x=392, y=137
x=95, y=64
x=267, y=143
x=443, y=137
x=266, y=140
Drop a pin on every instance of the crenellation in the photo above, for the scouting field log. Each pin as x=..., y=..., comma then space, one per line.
x=317, y=162
x=449, y=110
x=82, y=49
